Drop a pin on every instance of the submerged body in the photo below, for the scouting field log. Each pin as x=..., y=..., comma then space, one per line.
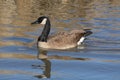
x=61, y=40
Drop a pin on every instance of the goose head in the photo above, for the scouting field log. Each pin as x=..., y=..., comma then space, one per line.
x=46, y=22
x=41, y=20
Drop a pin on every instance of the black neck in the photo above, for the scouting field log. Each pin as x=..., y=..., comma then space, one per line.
x=43, y=37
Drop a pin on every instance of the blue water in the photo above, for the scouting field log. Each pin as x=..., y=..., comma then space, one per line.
x=97, y=59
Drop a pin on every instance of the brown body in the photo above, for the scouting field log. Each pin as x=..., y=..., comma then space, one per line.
x=62, y=40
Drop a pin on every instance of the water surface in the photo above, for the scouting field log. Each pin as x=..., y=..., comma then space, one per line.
x=97, y=59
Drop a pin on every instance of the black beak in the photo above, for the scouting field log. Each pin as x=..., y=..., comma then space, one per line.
x=35, y=22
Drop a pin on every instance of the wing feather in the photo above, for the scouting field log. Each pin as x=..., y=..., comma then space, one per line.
x=65, y=38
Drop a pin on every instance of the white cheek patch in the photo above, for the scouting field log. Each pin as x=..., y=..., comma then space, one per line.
x=43, y=21
x=81, y=40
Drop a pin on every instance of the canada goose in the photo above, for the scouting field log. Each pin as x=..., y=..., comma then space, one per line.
x=60, y=40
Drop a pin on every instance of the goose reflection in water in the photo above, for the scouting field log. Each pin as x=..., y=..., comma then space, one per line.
x=42, y=55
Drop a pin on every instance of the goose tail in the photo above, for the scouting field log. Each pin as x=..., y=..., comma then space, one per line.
x=87, y=32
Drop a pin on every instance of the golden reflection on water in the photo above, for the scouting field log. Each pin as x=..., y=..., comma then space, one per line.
x=16, y=72
x=11, y=43
x=28, y=9
x=19, y=56
x=40, y=56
